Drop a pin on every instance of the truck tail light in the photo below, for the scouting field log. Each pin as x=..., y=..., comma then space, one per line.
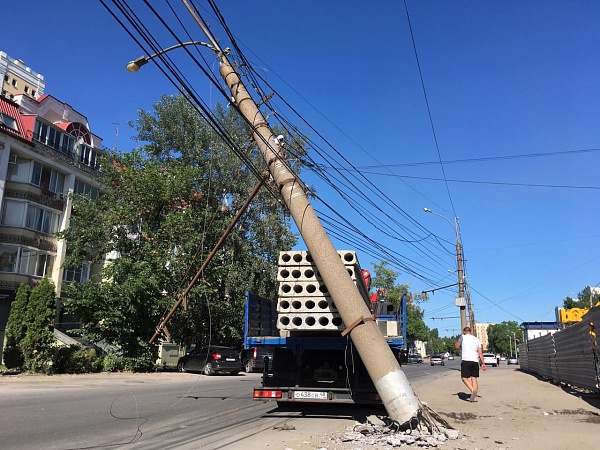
x=264, y=393
x=374, y=397
x=254, y=354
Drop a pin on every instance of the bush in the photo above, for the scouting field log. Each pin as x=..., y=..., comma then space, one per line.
x=112, y=363
x=142, y=363
x=75, y=360
x=13, y=357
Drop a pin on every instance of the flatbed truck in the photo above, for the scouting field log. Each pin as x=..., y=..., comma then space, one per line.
x=318, y=366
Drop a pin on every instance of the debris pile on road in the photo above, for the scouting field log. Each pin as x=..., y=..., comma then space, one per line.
x=381, y=433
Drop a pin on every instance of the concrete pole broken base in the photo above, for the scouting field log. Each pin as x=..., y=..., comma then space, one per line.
x=428, y=430
x=395, y=392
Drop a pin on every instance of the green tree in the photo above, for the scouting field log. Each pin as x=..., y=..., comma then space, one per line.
x=500, y=336
x=16, y=327
x=436, y=343
x=38, y=344
x=570, y=303
x=416, y=330
x=165, y=206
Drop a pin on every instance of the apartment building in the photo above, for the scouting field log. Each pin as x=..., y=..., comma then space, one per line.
x=17, y=78
x=482, y=334
x=48, y=155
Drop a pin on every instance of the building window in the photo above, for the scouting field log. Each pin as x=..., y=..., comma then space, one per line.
x=40, y=131
x=47, y=179
x=42, y=220
x=88, y=155
x=25, y=261
x=13, y=213
x=86, y=190
x=6, y=78
x=38, y=264
x=8, y=122
x=67, y=144
x=14, y=82
x=26, y=89
x=33, y=92
x=47, y=134
x=80, y=275
x=24, y=215
x=8, y=258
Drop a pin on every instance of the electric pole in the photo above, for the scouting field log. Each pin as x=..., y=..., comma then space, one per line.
x=390, y=381
x=460, y=301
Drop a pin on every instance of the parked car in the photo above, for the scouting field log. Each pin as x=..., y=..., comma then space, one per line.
x=512, y=360
x=415, y=358
x=450, y=357
x=490, y=359
x=253, y=359
x=502, y=358
x=436, y=359
x=210, y=360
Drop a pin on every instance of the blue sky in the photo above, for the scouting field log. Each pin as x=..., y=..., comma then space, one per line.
x=509, y=105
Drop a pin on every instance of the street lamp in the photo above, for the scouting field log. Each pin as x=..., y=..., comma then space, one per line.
x=134, y=66
x=460, y=300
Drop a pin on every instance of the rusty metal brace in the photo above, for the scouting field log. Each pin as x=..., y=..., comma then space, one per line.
x=357, y=322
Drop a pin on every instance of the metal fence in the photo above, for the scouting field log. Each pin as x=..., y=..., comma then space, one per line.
x=569, y=356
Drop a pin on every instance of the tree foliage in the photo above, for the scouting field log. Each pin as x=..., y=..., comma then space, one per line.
x=38, y=344
x=16, y=327
x=585, y=299
x=165, y=206
x=500, y=337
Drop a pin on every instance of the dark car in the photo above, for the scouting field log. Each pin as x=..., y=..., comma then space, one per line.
x=210, y=360
x=253, y=359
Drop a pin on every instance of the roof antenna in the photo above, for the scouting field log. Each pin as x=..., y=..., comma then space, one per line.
x=116, y=135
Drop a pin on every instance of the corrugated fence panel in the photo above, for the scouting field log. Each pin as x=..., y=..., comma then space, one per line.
x=569, y=356
x=523, y=357
x=540, y=351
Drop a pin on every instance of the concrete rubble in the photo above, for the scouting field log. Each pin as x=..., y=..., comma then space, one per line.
x=379, y=433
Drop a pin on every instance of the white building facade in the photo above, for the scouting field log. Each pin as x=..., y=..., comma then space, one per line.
x=48, y=154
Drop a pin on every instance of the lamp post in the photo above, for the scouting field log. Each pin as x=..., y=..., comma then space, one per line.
x=134, y=66
x=460, y=301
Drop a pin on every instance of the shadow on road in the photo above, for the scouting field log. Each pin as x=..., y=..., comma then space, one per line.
x=327, y=411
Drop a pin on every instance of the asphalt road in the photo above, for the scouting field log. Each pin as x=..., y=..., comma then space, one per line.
x=156, y=411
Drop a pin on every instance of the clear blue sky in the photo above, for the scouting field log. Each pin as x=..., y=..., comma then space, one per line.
x=502, y=80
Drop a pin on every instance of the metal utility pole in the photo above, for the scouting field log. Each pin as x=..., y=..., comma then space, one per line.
x=471, y=313
x=460, y=300
x=390, y=381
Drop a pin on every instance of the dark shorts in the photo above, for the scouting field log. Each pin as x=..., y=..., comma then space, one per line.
x=469, y=369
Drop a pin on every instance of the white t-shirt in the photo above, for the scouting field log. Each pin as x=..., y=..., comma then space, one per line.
x=469, y=345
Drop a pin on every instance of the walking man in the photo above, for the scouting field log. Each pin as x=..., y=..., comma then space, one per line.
x=471, y=354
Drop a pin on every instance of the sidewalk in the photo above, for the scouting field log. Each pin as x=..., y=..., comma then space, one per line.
x=515, y=410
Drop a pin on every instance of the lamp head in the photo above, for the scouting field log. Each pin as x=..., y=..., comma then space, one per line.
x=426, y=210
x=134, y=66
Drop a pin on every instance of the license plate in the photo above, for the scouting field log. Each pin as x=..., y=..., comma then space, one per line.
x=313, y=395
x=229, y=359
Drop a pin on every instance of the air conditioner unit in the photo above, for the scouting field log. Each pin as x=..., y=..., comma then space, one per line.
x=12, y=159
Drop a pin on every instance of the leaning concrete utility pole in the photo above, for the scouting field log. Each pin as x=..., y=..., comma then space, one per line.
x=390, y=381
